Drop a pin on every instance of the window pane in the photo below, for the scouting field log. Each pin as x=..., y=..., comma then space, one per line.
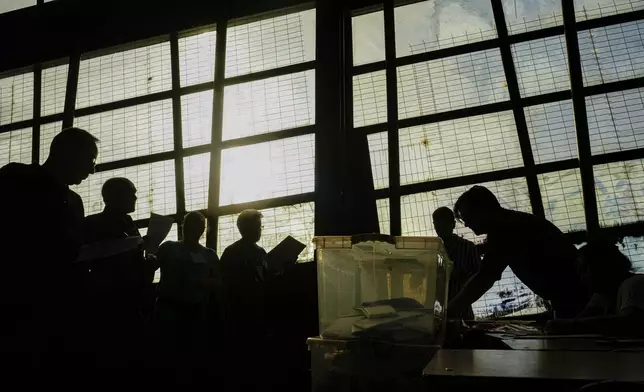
x=379, y=154
x=541, y=65
x=54, y=86
x=12, y=5
x=563, y=200
x=124, y=75
x=197, y=58
x=368, y=32
x=615, y=121
x=15, y=146
x=383, y=216
x=196, y=114
x=431, y=25
x=270, y=43
x=297, y=221
x=508, y=297
x=154, y=183
x=369, y=99
x=552, y=131
x=526, y=15
x=47, y=133
x=459, y=147
x=16, y=98
x=591, y=9
x=267, y=170
x=269, y=105
x=196, y=170
x=633, y=247
x=612, y=53
x=619, y=188
x=131, y=132
x=457, y=82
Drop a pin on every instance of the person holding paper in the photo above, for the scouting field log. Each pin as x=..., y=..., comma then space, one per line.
x=121, y=280
x=189, y=275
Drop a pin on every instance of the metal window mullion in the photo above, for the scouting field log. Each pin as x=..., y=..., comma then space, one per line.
x=72, y=88
x=216, y=140
x=35, y=134
x=581, y=117
x=392, y=120
x=177, y=130
x=517, y=109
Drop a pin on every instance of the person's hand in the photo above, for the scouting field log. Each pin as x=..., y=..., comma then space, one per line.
x=560, y=326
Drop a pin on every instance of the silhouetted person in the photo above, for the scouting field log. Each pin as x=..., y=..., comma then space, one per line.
x=244, y=268
x=536, y=250
x=120, y=283
x=190, y=272
x=463, y=254
x=41, y=285
x=617, y=305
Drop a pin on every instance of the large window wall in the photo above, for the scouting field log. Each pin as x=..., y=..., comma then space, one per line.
x=455, y=93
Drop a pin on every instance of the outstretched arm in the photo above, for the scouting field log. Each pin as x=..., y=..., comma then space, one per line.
x=474, y=289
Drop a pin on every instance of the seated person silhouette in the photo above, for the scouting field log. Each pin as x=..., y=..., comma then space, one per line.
x=617, y=305
x=463, y=254
x=41, y=286
x=536, y=250
x=244, y=270
x=189, y=274
x=120, y=283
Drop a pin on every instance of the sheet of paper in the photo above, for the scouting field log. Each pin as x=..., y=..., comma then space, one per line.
x=285, y=253
x=104, y=249
x=158, y=229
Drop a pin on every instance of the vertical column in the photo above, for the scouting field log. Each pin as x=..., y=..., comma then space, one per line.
x=72, y=86
x=35, y=135
x=517, y=109
x=581, y=117
x=177, y=129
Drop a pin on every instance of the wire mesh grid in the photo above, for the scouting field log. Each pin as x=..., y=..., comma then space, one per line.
x=612, y=53
x=53, y=88
x=384, y=222
x=196, y=176
x=616, y=121
x=563, y=200
x=131, y=132
x=522, y=16
x=379, y=155
x=266, y=170
x=591, y=9
x=459, y=147
x=541, y=66
x=633, y=247
x=619, y=187
x=270, y=43
x=451, y=83
x=122, y=75
x=431, y=25
x=197, y=58
x=369, y=99
x=16, y=98
x=15, y=146
x=196, y=118
x=295, y=220
x=552, y=132
x=47, y=133
x=154, y=183
x=269, y=105
x=368, y=38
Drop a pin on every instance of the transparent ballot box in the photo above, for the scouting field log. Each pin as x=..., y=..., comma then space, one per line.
x=382, y=287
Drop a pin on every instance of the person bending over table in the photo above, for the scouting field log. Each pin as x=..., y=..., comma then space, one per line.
x=617, y=305
x=535, y=249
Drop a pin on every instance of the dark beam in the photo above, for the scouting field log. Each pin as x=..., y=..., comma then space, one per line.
x=268, y=137
x=461, y=181
x=106, y=107
x=177, y=129
x=35, y=136
x=70, y=92
x=266, y=203
x=270, y=73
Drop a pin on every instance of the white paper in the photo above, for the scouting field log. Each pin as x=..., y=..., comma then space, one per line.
x=158, y=229
x=104, y=249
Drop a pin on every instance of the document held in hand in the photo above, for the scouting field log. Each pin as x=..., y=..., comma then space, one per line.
x=158, y=229
x=104, y=249
x=285, y=253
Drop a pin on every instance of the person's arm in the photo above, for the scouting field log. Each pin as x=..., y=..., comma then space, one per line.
x=489, y=272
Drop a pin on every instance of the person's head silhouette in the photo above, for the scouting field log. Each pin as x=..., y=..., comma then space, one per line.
x=194, y=225
x=444, y=222
x=603, y=266
x=478, y=209
x=72, y=156
x=249, y=224
x=119, y=195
